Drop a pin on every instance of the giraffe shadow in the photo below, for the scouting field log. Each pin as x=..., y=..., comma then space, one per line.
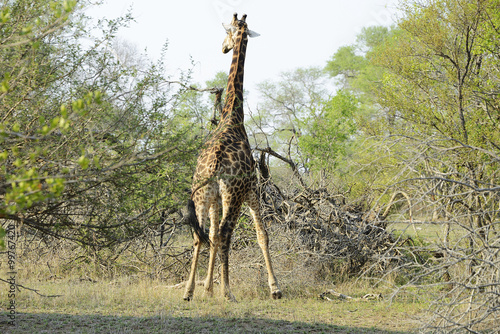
x=95, y=323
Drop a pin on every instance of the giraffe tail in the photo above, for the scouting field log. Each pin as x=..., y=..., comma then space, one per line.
x=192, y=220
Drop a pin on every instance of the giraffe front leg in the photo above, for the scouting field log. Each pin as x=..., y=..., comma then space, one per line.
x=214, y=246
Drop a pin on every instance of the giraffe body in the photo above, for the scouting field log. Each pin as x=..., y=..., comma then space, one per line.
x=225, y=175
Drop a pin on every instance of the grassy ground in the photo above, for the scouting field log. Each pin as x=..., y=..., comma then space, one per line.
x=428, y=232
x=150, y=307
x=133, y=305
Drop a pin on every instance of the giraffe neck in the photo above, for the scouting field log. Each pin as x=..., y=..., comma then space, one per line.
x=233, y=108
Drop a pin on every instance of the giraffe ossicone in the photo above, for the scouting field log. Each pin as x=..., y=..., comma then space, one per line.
x=225, y=173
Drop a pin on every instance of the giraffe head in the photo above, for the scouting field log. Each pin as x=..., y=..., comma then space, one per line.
x=233, y=30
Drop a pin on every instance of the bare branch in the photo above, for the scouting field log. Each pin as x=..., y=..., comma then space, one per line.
x=30, y=289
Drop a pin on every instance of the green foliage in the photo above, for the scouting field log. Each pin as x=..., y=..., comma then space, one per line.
x=443, y=70
x=359, y=168
x=444, y=85
x=285, y=106
x=25, y=67
x=353, y=70
x=219, y=81
x=2, y=236
x=330, y=132
x=90, y=138
x=346, y=63
x=440, y=81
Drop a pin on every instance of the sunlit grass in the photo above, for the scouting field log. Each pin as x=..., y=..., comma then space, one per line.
x=116, y=301
x=118, y=305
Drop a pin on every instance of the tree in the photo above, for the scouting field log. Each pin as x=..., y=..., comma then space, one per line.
x=440, y=82
x=330, y=132
x=352, y=68
x=287, y=104
x=367, y=164
x=442, y=93
x=90, y=141
x=24, y=29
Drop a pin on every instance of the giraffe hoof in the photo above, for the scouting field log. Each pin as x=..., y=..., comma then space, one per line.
x=276, y=294
x=188, y=298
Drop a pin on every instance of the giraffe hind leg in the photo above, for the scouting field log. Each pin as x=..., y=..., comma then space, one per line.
x=263, y=239
x=231, y=206
x=201, y=211
x=225, y=232
x=214, y=245
x=190, y=285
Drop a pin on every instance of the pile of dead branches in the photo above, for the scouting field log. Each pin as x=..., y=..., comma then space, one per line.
x=320, y=224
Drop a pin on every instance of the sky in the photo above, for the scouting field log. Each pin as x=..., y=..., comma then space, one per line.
x=293, y=33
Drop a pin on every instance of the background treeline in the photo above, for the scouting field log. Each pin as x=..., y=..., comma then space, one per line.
x=98, y=147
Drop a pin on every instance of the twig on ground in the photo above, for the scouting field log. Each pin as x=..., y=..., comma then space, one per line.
x=30, y=289
x=367, y=297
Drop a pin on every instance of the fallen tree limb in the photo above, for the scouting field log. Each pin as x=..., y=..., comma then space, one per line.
x=30, y=289
x=333, y=293
x=183, y=284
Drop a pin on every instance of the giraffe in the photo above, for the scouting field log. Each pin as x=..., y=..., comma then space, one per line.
x=225, y=173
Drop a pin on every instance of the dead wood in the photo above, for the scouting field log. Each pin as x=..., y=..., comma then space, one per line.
x=329, y=295
x=181, y=285
x=321, y=223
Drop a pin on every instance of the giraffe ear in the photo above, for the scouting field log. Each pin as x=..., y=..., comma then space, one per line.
x=229, y=28
x=253, y=33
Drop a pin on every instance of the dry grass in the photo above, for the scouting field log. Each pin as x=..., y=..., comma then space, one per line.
x=147, y=306
x=130, y=297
